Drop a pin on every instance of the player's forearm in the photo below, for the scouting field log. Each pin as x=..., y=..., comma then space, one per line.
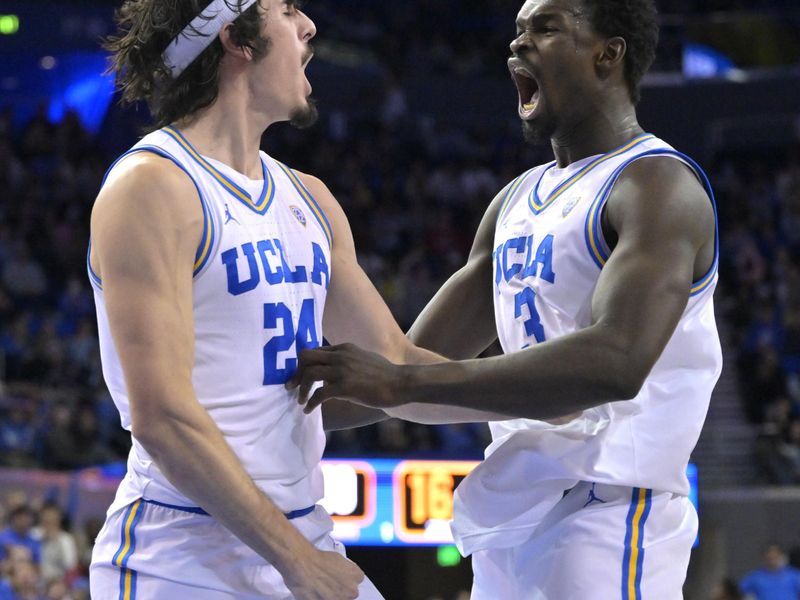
x=340, y=414
x=548, y=381
x=438, y=414
x=459, y=321
x=194, y=456
x=414, y=355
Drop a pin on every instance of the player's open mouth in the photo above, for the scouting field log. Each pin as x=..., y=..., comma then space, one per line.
x=307, y=59
x=528, y=89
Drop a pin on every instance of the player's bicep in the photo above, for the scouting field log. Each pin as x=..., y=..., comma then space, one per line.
x=645, y=286
x=144, y=241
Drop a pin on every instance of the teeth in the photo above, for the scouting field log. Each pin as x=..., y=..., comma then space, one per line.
x=529, y=106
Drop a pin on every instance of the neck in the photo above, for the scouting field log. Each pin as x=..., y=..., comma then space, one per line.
x=230, y=129
x=598, y=133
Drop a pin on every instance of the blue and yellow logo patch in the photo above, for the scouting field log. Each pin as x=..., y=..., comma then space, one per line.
x=299, y=215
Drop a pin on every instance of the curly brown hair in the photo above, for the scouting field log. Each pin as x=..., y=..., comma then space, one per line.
x=146, y=28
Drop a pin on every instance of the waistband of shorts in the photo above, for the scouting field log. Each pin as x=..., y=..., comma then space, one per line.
x=196, y=510
x=614, y=491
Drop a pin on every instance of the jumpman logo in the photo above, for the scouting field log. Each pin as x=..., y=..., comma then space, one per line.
x=228, y=216
x=593, y=498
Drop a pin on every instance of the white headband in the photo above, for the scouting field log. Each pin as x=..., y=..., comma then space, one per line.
x=200, y=33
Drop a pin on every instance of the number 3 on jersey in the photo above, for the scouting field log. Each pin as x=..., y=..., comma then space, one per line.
x=533, y=326
x=304, y=336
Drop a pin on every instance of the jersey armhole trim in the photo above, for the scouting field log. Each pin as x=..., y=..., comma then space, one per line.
x=512, y=191
x=94, y=278
x=305, y=194
x=595, y=240
x=209, y=236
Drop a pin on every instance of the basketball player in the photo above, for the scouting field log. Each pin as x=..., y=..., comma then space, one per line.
x=212, y=265
x=599, y=269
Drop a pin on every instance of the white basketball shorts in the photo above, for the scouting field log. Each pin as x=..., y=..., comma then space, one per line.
x=600, y=541
x=148, y=551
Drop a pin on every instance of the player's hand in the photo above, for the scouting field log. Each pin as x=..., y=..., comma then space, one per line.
x=324, y=576
x=348, y=373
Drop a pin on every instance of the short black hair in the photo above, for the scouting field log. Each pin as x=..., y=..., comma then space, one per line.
x=636, y=21
x=22, y=509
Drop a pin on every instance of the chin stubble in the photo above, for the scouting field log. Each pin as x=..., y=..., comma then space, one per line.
x=305, y=117
x=537, y=135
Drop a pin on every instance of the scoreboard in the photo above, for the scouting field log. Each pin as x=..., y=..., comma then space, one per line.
x=389, y=502
x=383, y=502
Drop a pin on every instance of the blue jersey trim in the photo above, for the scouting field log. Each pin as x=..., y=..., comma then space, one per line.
x=595, y=241
x=261, y=206
x=633, y=554
x=296, y=514
x=312, y=204
x=537, y=205
x=93, y=277
x=510, y=193
x=127, y=577
x=640, y=560
x=208, y=238
x=196, y=510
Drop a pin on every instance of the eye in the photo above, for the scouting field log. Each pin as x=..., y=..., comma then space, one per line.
x=292, y=7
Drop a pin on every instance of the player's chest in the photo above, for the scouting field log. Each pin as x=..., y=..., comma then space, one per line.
x=266, y=254
x=530, y=248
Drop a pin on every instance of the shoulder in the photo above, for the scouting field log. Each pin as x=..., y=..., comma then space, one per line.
x=145, y=182
x=318, y=190
x=499, y=201
x=661, y=191
x=328, y=204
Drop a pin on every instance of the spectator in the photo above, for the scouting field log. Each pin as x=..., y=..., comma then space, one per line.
x=25, y=582
x=776, y=581
x=18, y=533
x=59, y=551
x=16, y=436
x=23, y=276
x=727, y=589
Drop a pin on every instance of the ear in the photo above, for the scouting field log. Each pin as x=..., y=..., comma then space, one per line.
x=612, y=56
x=231, y=47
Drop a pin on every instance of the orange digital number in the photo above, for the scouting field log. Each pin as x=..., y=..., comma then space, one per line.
x=423, y=493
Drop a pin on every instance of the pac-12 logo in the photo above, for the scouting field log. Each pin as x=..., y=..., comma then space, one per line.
x=299, y=215
x=570, y=205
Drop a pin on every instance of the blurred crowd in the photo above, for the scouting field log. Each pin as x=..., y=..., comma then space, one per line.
x=41, y=556
x=414, y=191
x=760, y=271
x=477, y=34
x=776, y=579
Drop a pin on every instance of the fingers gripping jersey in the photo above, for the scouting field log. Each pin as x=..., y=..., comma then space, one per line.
x=549, y=252
x=261, y=276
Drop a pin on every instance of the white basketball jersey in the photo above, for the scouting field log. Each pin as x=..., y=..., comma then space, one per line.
x=549, y=252
x=261, y=277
